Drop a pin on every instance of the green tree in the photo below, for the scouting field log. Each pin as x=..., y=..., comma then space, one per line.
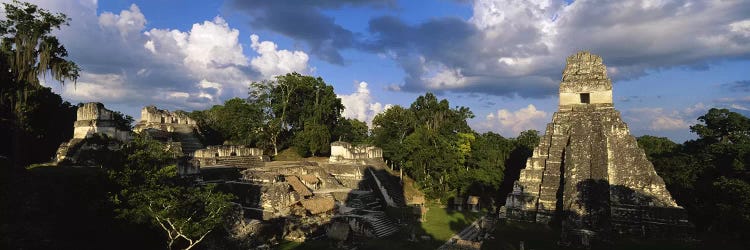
x=528, y=139
x=389, y=130
x=437, y=150
x=709, y=176
x=315, y=139
x=432, y=161
x=152, y=193
x=351, y=130
x=486, y=164
x=722, y=125
x=653, y=145
x=437, y=115
x=269, y=97
x=235, y=122
x=28, y=46
x=28, y=50
x=187, y=213
x=289, y=103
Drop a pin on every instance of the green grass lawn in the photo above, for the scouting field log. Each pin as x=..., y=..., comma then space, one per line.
x=442, y=223
x=289, y=154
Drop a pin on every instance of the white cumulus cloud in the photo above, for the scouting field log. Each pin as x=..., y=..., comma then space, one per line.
x=126, y=63
x=127, y=22
x=360, y=105
x=511, y=123
x=658, y=119
x=518, y=47
x=668, y=123
x=271, y=61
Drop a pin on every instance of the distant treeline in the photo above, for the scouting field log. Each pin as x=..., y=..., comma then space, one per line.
x=430, y=140
x=709, y=176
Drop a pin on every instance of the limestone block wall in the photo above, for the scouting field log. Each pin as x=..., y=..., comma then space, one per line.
x=94, y=118
x=585, y=73
x=230, y=155
x=227, y=150
x=152, y=117
x=344, y=151
x=93, y=111
x=595, y=97
x=151, y=114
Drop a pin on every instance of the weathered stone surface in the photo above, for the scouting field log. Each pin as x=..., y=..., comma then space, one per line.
x=169, y=126
x=91, y=119
x=346, y=152
x=588, y=171
x=338, y=231
x=153, y=115
x=230, y=155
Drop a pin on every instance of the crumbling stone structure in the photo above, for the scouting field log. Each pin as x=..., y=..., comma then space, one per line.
x=91, y=119
x=307, y=196
x=346, y=152
x=175, y=128
x=154, y=117
x=588, y=172
x=230, y=155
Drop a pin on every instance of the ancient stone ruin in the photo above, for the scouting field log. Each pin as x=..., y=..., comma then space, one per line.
x=91, y=119
x=154, y=117
x=306, y=198
x=176, y=128
x=588, y=172
x=346, y=152
x=302, y=199
x=230, y=155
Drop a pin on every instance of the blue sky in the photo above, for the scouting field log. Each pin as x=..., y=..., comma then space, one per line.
x=670, y=61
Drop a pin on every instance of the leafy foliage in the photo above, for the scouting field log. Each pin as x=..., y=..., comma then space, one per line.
x=152, y=192
x=187, y=213
x=235, y=122
x=30, y=115
x=351, y=130
x=709, y=176
x=297, y=109
x=433, y=144
x=30, y=49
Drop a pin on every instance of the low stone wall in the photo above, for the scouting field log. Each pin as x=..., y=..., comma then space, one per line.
x=230, y=155
x=227, y=150
x=346, y=152
x=647, y=221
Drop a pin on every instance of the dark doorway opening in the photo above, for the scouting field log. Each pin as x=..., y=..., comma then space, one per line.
x=585, y=98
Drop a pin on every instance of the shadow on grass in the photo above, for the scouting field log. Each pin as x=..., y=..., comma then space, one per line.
x=440, y=224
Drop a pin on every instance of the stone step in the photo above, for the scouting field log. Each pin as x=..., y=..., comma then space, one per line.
x=381, y=224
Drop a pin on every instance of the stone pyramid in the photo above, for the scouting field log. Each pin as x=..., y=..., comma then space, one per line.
x=588, y=173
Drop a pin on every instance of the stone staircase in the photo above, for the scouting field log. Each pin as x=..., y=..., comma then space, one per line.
x=392, y=185
x=365, y=202
x=239, y=161
x=188, y=139
x=381, y=225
